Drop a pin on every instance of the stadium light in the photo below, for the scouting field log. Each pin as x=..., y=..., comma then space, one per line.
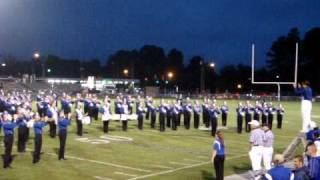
x=170, y=75
x=212, y=65
x=126, y=72
x=49, y=70
x=3, y=64
x=36, y=55
x=239, y=86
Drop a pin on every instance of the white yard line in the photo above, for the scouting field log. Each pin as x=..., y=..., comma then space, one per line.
x=104, y=163
x=181, y=168
x=161, y=166
x=184, y=164
x=125, y=174
x=202, y=157
x=191, y=160
x=101, y=178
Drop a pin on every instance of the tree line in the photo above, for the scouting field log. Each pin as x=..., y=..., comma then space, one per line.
x=152, y=65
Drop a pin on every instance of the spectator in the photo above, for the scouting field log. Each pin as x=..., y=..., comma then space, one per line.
x=218, y=155
x=314, y=161
x=314, y=130
x=301, y=172
x=279, y=172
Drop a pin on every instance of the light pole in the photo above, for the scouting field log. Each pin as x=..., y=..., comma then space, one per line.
x=35, y=58
x=169, y=77
x=3, y=65
x=202, y=74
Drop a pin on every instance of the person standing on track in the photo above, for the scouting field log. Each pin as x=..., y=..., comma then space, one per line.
x=218, y=155
x=305, y=91
x=267, y=147
x=256, y=144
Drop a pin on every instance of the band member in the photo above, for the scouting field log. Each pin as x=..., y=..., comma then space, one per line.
x=240, y=114
x=248, y=115
x=196, y=114
x=95, y=108
x=224, y=113
x=257, y=111
x=140, y=111
x=130, y=104
x=8, y=130
x=187, y=114
x=180, y=112
x=162, y=115
x=106, y=114
x=63, y=124
x=213, y=114
x=175, y=110
x=271, y=112
x=79, y=117
x=153, y=115
x=280, y=113
x=265, y=113
x=86, y=103
x=37, y=127
x=205, y=113
x=138, y=101
x=52, y=115
x=40, y=105
x=22, y=130
x=169, y=113
x=124, y=115
x=148, y=102
x=66, y=104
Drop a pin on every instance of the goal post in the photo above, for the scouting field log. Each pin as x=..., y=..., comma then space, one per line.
x=273, y=82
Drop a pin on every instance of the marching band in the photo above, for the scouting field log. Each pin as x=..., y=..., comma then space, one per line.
x=57, y=111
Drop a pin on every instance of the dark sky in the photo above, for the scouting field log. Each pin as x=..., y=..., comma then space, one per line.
x=219, y=30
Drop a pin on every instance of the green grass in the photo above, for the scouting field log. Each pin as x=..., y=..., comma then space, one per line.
x=186, y=152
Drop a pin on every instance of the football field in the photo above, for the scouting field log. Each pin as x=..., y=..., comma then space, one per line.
x=146, y=154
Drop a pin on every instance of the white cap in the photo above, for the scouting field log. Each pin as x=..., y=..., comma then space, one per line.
x=254, y=122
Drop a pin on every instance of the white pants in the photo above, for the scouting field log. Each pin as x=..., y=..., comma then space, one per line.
x=267, y=157
x=306, y=107
x=256, y=157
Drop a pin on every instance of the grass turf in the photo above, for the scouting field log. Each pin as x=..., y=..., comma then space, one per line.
x=177, y=154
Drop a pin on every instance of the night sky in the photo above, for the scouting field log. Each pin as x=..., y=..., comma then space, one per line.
x=85, y=29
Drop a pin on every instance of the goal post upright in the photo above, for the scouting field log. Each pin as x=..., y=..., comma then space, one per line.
x=278, y=84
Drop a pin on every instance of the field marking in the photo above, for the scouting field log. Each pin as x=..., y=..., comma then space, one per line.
x=121, y=173
x=181, y=168
x=315, y=116
x=184, y=164
x=202, y=157
x=192, y=160
x=161, y=166
x=116, y=138
x=104, y=163
x=101, y=178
